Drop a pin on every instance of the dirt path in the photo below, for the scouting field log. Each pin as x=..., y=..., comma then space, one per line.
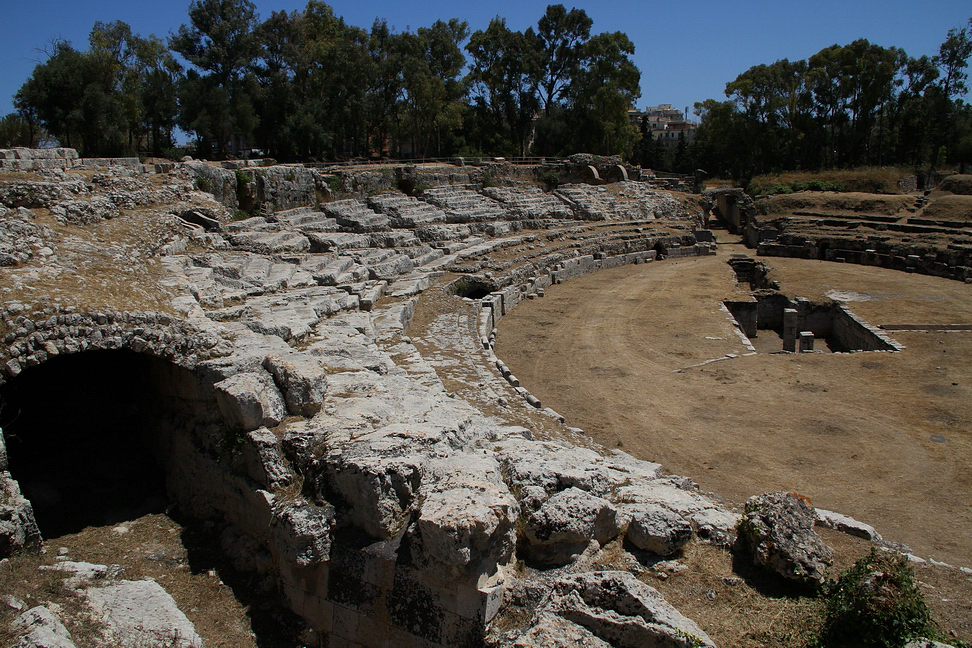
x=883, y=437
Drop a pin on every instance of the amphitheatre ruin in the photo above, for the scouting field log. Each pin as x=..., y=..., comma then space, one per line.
x=454, y=405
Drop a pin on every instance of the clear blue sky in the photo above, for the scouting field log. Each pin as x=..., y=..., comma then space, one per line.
x=686, y=52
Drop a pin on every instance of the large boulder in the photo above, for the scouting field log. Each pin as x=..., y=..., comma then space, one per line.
x=140, y=614
x=777, y=528
x=301, y=378
x=657, y=529
x=41, y=629
x=467, y=523
x=566, y=523
x=248, y=401
x=302, y=533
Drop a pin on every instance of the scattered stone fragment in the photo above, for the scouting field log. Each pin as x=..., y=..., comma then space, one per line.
x=777, y=529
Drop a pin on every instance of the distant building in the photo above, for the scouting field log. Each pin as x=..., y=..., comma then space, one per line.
x=665, y=122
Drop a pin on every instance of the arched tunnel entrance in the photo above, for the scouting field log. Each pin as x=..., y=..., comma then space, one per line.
x=89, y=436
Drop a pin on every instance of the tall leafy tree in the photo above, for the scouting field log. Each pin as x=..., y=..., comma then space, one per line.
x=220, y=42
x=605, y=83
x=432, y=63
x=561, y=36
x=503, y=81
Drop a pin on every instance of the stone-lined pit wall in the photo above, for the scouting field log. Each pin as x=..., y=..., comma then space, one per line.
x=952, y=262
x=774, y=310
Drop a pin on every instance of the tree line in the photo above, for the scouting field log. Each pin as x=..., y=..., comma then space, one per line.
x=845, y=106
x=306, y=85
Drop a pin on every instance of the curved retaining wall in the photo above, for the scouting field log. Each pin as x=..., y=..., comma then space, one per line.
x=500, y=302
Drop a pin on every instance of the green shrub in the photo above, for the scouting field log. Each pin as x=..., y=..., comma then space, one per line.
x=877, y=602
x=242, y=179
x=203, y=184
x=335, y=184
x=488, y=180
x=549, y=177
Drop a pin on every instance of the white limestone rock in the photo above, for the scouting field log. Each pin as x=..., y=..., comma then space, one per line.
x=847, y=524
x=657, y=529
x=551, y=631
x=263, y=460
x=566, y=523
x=467, y=523
x=18, y=529
x=41, y=630
x=140, y=614
x=302, y=533
x=622, y=611
x=777, y=529
x=250, y=400
x=302, y=380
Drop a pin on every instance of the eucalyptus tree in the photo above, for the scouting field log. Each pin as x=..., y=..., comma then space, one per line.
x=604, y=84
x=433, y=88
x=221, y=44
x=503, y=82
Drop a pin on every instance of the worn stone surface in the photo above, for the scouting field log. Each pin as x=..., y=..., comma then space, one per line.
x=41, y=629
x=18, y=529
x=140, y=614
x=250, y=400
x=777, y=529
x=301, y=379
x=565, y=524
x=657, y=529
x=615, y=608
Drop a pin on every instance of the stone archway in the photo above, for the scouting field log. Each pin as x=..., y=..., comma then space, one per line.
x=90, y=436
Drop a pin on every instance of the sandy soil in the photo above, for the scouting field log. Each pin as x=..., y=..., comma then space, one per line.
x=883, y=437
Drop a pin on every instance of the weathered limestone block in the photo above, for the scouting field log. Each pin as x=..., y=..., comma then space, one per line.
x=551, y=631
x=566, y=523
x=250, y=400
x=777, y=529
x=467, y=523
x=379, y=474
x=140, y=614
x=621, y=610
x=41, y=630
x=553, y=467
x=263, y=461
x=221, y=183
x=392, y=268
x=657, y=529
x=302, y=380
x=846, y=524
x=18, y=529
x=84, y=212
x=302, y=533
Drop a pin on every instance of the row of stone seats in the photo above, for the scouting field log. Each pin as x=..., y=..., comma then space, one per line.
x=529, y=202
x=465, y=205
x=355, y=216
x=405, y=211
x=626, y=201
x=306, y=219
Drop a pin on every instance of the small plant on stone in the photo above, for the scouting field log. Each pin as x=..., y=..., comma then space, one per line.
x=877, y=602
x=203, y=184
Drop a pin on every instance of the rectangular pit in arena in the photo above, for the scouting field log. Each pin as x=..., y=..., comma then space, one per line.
x=773, y=323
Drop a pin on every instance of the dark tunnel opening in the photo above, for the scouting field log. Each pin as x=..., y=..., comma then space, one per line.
x=87, y=437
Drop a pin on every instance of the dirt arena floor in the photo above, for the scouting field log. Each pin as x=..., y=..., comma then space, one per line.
x=883, y=437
